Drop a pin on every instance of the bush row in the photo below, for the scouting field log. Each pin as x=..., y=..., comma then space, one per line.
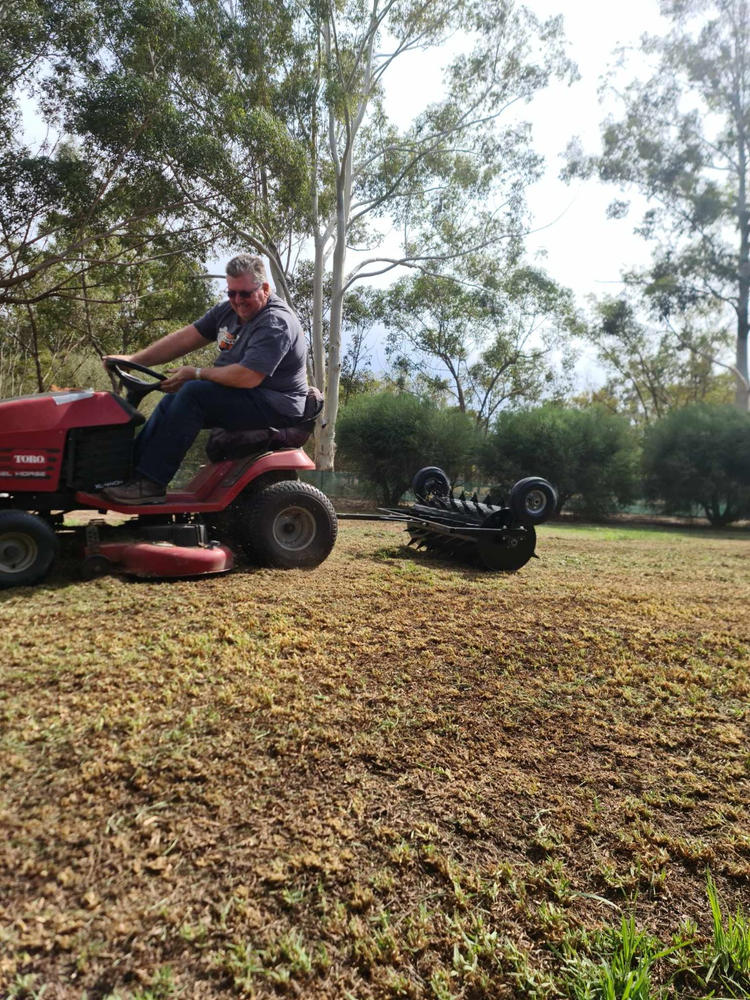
x=695, y=460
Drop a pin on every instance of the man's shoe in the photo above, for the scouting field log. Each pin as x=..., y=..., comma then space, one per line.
x=136, y=492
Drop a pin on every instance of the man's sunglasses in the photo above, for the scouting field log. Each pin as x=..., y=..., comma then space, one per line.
x=233, y=293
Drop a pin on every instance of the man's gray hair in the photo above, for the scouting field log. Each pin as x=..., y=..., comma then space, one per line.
x=246, y=263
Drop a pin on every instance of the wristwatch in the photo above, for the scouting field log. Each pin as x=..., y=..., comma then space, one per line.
x=199, y=373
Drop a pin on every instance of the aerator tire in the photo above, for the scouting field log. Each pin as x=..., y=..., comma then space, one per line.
x=28, y=547
x=533, y=500
x=292, y=526
x=430, y=481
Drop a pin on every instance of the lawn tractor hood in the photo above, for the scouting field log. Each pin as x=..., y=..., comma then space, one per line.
x=43, y=437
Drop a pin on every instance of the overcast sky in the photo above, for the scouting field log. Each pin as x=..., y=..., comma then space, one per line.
x=571, y=237
x=585, y=250
x=582, y=248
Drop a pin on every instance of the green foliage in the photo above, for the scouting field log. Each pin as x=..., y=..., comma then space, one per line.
x=682, y=141
x=589, y=455
x=699, y=456
x=162, y=117
x=626, y=968
x=622, y=964
x=727, y=957
x=116, y=306
x=657, y=369
x=388, y=437
x=481, y=338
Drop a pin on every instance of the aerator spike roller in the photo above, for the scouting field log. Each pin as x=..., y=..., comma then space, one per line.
x=498, y=537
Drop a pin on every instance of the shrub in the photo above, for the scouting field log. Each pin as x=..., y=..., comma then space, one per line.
x=387, y=437
x=699, y=456
x=589, y=455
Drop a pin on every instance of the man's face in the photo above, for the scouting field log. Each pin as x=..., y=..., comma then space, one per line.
x=247, y=296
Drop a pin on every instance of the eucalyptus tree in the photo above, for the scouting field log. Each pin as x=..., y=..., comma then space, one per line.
x=485, y=337
x=64, y=198
x=464, y=152
x=652, y=369
x=684, y=141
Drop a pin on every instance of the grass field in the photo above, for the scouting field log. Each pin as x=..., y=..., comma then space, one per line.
x=389, y=777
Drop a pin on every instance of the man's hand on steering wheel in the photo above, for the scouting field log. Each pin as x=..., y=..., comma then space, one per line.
x=177, y=377
x=106, y=360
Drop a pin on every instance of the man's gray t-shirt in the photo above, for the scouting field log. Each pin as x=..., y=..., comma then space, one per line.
x=271, y=343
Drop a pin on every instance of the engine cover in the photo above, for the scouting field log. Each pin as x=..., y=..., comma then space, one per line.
x=73, y=439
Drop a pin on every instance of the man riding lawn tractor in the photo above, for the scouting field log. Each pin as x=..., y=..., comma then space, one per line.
x=61, y=451
x=258, y=379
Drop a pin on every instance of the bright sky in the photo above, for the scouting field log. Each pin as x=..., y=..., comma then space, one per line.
x=582, y=248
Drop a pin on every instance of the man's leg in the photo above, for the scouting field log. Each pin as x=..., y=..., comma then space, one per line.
x=174, y=425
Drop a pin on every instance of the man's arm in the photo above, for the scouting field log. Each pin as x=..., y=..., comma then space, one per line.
x=232, y=376
x=174, y=345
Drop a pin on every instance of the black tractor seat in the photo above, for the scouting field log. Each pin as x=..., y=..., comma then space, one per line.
x=223, y=444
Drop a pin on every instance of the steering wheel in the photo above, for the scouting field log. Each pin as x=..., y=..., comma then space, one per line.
x=135, y=388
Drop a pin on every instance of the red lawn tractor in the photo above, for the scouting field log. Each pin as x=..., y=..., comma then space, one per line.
x=58, y=450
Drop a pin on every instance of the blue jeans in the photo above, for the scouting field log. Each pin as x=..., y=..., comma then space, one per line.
x=174, y=425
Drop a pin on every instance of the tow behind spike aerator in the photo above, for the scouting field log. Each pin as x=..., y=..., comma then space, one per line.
x=498, y=537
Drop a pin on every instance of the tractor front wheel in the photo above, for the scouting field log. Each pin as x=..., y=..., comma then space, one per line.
x=292, y=526
x=28, y=547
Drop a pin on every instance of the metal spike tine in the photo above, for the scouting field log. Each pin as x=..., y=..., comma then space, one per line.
x=463, y=495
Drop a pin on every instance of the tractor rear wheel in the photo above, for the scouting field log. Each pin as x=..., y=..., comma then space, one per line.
x=291, y=526
x=28, y=547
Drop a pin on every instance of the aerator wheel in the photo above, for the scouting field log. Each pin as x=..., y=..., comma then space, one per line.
x=533, y=500
x=508, y=552
x=292, y=526
x=430, y=481
x=28, y=547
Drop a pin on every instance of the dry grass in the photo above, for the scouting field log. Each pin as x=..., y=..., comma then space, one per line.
x=388, y=777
